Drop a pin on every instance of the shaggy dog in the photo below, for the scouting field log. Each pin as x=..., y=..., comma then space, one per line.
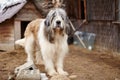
x=48, y=37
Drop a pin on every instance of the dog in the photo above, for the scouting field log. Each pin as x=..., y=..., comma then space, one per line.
x=48, y=37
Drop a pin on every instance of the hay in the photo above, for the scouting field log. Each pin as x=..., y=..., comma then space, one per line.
x=59, y=77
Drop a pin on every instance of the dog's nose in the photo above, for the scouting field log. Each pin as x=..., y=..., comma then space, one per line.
x=58, y=22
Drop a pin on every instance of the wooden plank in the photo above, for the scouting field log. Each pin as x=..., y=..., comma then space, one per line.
x=116, y=22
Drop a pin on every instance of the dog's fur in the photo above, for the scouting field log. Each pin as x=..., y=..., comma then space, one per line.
x=48, y=37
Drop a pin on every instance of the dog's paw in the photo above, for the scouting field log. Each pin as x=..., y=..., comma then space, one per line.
x=52, y=73
x=63, y=73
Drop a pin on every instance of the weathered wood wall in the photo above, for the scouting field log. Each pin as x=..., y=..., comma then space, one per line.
x=7, y=35
x=100, y=14
x=100, y=9
x=73, y=8
x=28, y=13
x=107, y=35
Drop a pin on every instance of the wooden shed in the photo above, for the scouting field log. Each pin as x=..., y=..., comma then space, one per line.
x=13, y=29
x=103, y=19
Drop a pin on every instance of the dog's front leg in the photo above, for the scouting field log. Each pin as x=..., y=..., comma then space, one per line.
x=48, y=62
x=50, y=67
x=59, y=62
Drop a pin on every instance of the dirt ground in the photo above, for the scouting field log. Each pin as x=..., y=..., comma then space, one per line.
x=87, y=65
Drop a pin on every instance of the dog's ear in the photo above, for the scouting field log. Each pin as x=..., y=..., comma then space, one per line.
x=68, y=28
x=49, y=17
x=49, y=34
x=47, y=22
x=48, y=31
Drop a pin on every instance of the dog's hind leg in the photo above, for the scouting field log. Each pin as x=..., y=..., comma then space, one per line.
x=29, y=47
x=39, y=58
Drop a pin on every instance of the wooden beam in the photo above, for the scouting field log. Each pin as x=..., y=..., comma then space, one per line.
x=79, y=9
x=85, y=9
x=116, y=22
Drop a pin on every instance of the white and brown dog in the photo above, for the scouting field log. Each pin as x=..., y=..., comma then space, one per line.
x=48, y=37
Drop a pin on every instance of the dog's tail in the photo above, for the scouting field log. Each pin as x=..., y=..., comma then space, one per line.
x=20, y=42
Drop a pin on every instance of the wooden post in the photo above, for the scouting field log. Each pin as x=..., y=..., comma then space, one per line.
x=77, y=34
x=119, y=9
x=79, y=9
x=85, y=9
x=17, y=31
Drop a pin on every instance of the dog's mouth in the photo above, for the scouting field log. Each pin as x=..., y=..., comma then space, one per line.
x=58, y=30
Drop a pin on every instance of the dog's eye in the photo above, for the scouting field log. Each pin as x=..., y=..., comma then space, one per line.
x=62, y=18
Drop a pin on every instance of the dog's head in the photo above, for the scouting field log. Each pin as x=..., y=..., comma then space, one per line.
x=57, y=23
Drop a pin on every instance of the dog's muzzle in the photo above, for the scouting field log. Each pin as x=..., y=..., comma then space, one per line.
x=58, y=23
x=58, y=27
